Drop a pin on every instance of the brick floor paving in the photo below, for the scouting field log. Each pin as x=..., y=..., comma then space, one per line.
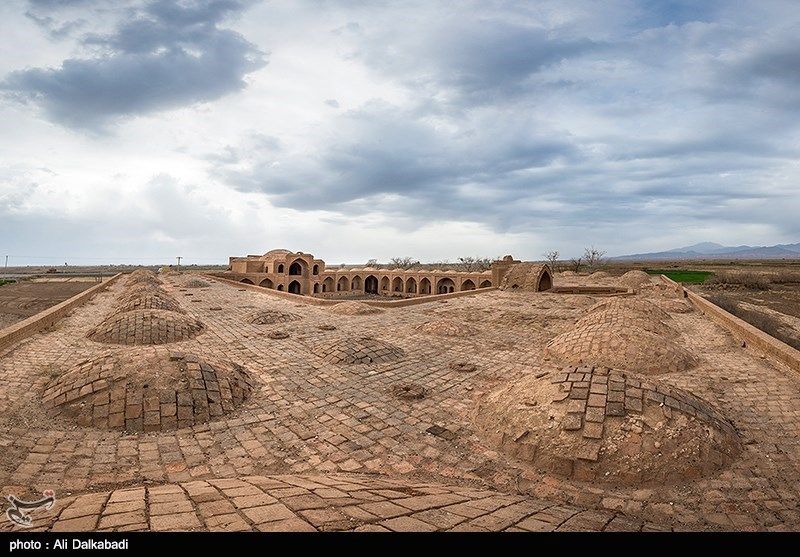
x=185, y=506
x=313, y=430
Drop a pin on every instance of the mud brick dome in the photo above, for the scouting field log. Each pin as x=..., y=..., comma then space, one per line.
x=269, y=317
x=623, y=334
x=596, y=424
x=150, y=300
x=359, y=350
x=151, y=389
x=146, y=327
x=528, y=277
x=448, y=328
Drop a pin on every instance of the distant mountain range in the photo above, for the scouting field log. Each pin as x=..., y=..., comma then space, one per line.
x=710, y=250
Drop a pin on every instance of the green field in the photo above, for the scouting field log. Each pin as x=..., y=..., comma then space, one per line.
x=4, y=281
x=682, y=275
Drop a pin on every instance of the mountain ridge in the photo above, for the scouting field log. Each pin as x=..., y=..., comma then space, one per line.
x=712, y=250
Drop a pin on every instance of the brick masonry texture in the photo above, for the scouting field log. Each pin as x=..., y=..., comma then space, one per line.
x=312, y=420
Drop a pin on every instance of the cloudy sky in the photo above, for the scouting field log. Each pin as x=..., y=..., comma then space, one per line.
x=140, y=130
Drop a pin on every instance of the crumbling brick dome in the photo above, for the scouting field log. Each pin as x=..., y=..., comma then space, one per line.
x=528, y=277
x=358, y=350
x=620, y=318
x=600, y=425
x=640, y=306
x=150, y=300
x=622, y=347
x=448, y=328
x=623, y=333
x=354, y=308
x=150, y=389
x=143, y=276
x=268, y=317
x=152, y=326
x=635, y=279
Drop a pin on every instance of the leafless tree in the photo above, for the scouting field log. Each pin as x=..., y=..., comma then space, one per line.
x=403, y=262
x=372, y=263
x=552, y=258
x=575, y=264
x=474, y=264
x=593, y=256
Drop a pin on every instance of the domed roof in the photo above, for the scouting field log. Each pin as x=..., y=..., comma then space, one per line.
x=276, y=252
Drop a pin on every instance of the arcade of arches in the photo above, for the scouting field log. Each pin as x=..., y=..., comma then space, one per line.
x=302, y=273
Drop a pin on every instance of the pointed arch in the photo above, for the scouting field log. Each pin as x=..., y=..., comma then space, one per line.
x=246, y=281
x=411, y=285
x=397, y=284
x=371, y=284
x=342, y=285
x=425, y=286
x=327, y=284
x=266, y=283
x=356, y=283
x=468, y=285
x=295, y=287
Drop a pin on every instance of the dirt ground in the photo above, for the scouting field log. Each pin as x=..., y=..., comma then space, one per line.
x=22, y=299
x=332, y=429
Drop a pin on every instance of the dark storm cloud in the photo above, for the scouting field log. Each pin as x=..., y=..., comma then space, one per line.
x=480, y=61
x=164, y=56
x=384, y=151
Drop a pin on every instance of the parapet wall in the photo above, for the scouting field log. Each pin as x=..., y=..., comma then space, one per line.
x=44, y=319
x=753, y=336
x=314, y=301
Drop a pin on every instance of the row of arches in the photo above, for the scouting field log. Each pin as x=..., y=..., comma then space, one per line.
x=297, y=268
x=371, y=285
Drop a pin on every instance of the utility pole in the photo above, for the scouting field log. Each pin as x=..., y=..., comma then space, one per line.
x=6, y=262
x=179, y=262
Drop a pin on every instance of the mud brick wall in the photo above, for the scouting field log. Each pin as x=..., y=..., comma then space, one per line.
x=47, y=318
x=754, y=337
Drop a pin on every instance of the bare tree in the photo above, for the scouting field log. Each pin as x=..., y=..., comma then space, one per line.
x=403, y=262
x=474, y=264
x=575, y=264
x=372, y=263
x=593, y=256
x=552, y=258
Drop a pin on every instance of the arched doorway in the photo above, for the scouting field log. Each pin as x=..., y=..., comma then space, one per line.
x=424, y=286
x=545, y=281
x=246, y=281
x=371, y=285
x=280, y=287
x=327, y=285
x=411, y=286
x=295, y=288
x=316, y=288
x=468, y=285
x=297, y=268
x=445, y=286
x=266, y=283
x=397, y=284
x=384, y=283
x=356, y=284
x=342, y=284
x=486, y=284
x=315, y=270
x=280, y=268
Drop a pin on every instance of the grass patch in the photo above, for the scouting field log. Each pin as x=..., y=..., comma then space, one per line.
x=5, y=281
x=767, y=323
x=682, y=275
